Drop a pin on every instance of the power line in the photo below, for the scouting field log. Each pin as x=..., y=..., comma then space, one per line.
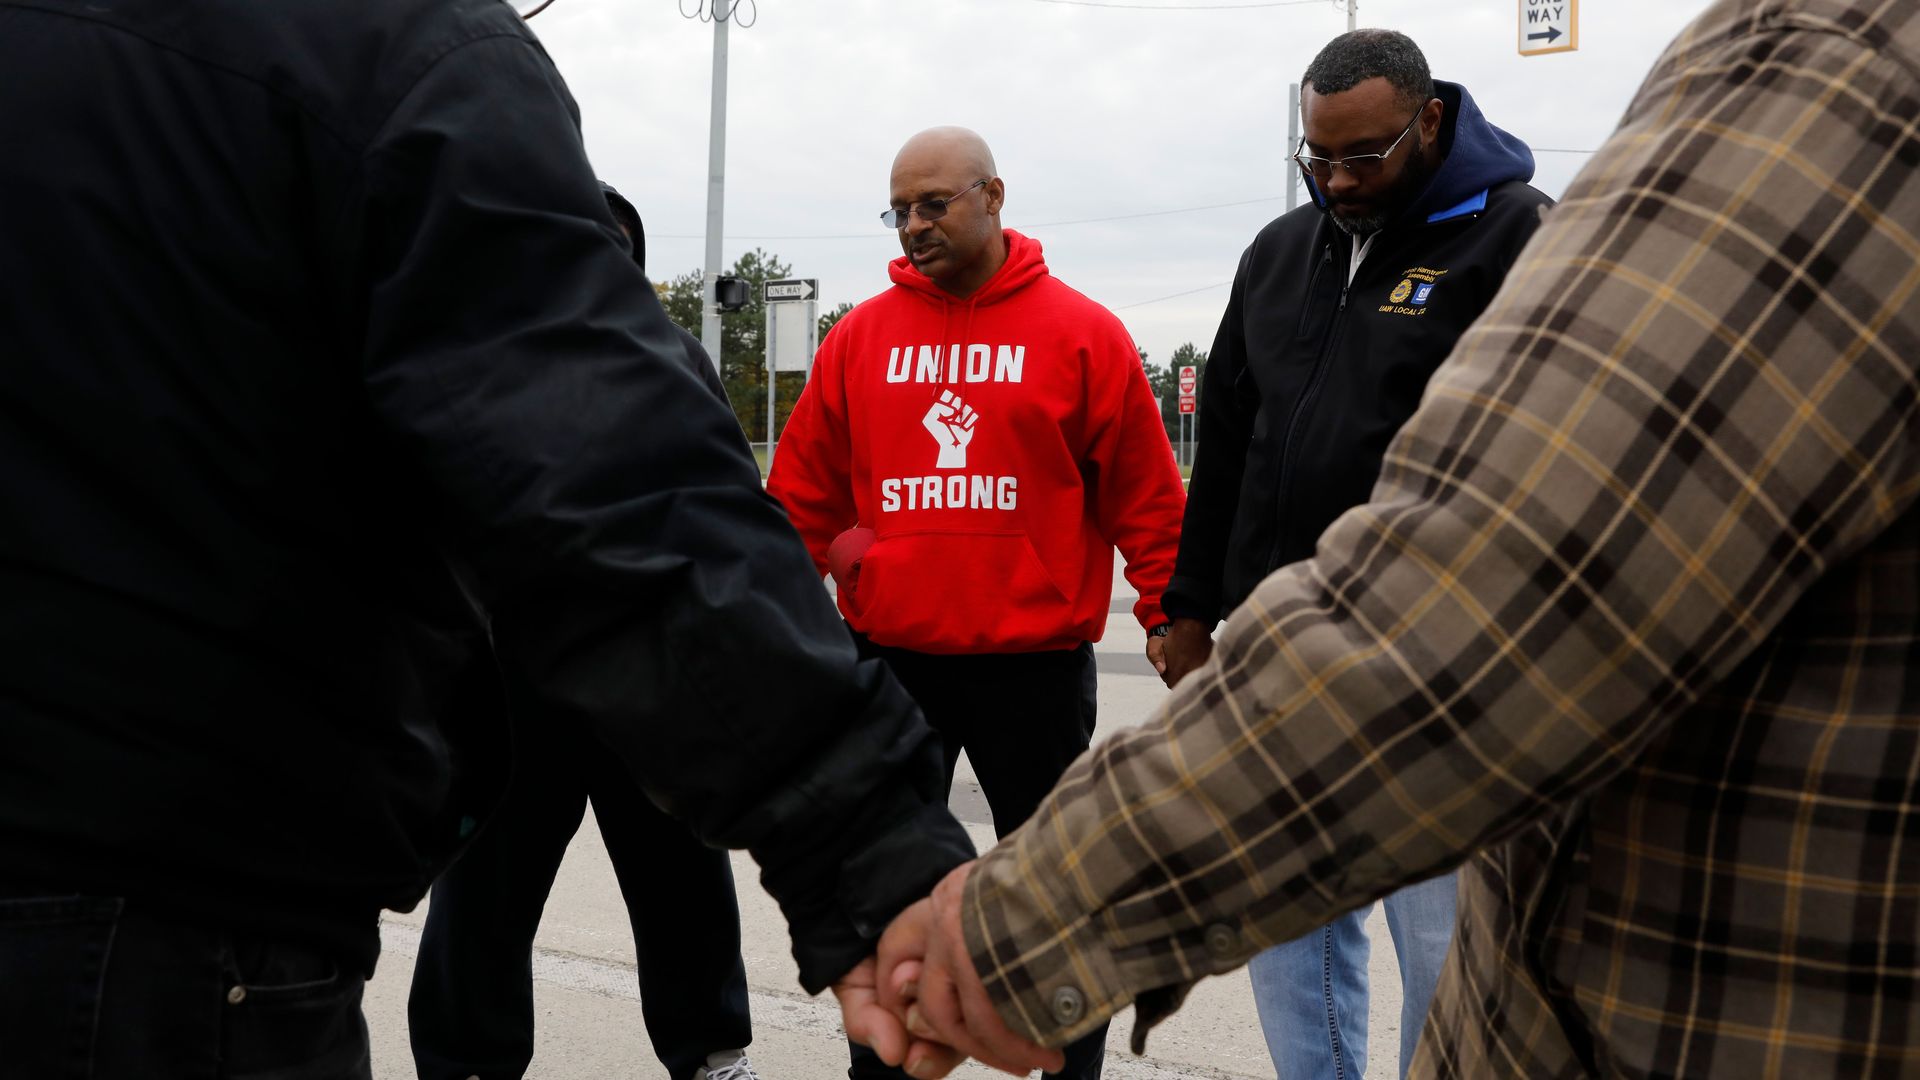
x=1159, y=213
x=768, y=236
x=1044, y=224
x=1171, y=296
x=706, y=12
x=1035, y=225
x=1183, y=7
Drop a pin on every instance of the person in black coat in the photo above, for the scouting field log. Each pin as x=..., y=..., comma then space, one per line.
x=329, y=383
x=471, y=1007
x=1339, y=313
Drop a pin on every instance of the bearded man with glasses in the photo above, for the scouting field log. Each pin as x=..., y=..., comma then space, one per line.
x=1339, y=313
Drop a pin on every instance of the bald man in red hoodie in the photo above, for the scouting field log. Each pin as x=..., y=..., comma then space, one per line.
x=972, y=446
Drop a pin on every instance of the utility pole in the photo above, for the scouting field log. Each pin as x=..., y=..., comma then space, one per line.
x=1293, y=144
x=1352, y=6
x=716, y=180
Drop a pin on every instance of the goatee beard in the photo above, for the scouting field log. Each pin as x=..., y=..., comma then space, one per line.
x=1412, y=181
x=1361, y=227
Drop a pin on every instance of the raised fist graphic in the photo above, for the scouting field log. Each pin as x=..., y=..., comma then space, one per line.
x=950, y=421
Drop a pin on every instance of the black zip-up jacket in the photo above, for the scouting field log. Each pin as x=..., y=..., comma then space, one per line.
x=1309, y=378
x=322, y=368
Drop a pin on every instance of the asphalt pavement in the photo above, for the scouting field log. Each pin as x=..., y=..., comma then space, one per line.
x=586, y=1000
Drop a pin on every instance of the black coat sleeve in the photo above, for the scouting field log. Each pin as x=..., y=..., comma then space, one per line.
x=1221, y=432
x=703, y=365
x=607, y=510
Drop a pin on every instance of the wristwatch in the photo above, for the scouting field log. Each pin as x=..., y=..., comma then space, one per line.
x=1161, y=630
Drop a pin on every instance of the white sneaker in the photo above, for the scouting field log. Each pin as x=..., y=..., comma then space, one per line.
x=726, y=1065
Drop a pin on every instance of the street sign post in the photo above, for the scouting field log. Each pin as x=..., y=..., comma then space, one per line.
x=1189, y=385
x=791, y=289
x=1549, y=26
x=793, y=329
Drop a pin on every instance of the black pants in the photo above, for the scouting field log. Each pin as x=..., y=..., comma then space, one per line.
x=471, y=1009
x=94, y=988
x=1021, y=718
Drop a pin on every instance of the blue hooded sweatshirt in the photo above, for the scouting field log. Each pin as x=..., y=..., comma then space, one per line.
x=1478, y=157
x=1314, y=369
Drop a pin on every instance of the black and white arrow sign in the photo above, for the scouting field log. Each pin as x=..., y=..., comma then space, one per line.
x=791, y=289
x=1549, y=26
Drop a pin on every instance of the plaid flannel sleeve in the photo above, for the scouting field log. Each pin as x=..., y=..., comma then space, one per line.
x=1696, y=393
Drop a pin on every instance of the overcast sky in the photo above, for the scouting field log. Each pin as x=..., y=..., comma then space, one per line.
x=1092, y=112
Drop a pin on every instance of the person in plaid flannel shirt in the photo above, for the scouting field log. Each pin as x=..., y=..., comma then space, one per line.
x=1629, y=633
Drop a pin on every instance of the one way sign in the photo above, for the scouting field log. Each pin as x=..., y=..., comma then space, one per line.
x=1549, y=26
x=790, y=289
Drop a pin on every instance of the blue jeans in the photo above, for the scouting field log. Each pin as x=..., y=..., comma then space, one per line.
x=1312, y=991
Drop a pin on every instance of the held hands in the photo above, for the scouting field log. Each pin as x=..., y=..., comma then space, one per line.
x=920, y=1003
x=1157, y=656
x=1187, y=647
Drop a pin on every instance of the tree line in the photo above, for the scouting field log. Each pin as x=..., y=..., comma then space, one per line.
x=743, y=339
x=743, y=347
x=1165, y=380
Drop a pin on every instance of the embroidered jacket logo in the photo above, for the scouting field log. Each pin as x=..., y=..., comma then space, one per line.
x=1410, y=296
x=951, y=422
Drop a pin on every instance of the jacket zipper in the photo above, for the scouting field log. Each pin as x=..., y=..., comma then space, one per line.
x=1283, y=493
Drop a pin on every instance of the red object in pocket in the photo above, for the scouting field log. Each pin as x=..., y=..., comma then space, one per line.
x=843, y=558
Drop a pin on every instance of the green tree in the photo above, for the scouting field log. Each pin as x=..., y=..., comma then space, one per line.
x=1165, y=380
x=743, y=350
x=834, y=316
x=681, y=297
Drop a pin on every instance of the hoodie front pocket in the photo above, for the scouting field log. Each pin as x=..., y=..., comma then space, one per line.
x=952, y=591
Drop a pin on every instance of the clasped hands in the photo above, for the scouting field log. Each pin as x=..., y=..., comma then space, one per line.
x=919, y=1003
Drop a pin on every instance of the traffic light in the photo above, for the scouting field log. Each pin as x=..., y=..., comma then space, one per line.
x=730, y=293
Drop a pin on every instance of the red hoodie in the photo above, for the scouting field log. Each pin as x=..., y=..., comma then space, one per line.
x=1000, y=447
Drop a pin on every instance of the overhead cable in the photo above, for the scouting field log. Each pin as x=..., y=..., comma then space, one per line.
x=1184, y=7
x=1171, y=296
x=1035, y=225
